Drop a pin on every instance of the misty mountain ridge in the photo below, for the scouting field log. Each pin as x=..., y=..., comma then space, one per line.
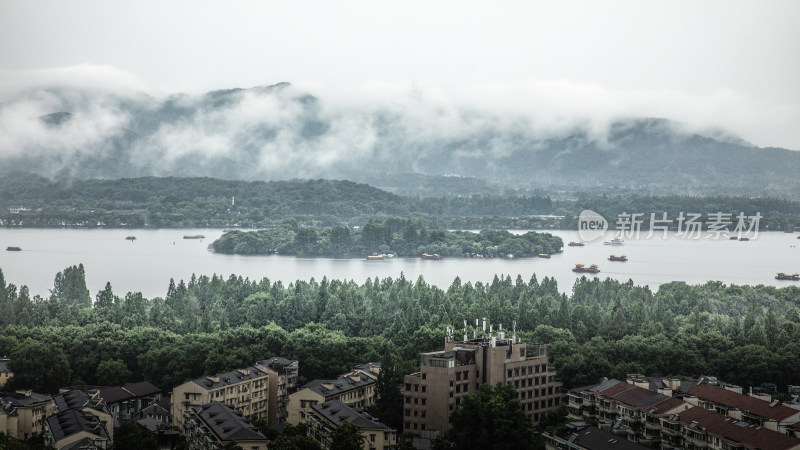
x=281, y=132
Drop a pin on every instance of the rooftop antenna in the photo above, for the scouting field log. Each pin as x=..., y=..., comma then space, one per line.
x=513, y=331
x=465, y=330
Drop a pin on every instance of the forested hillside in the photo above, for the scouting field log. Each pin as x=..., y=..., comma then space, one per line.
x=282, y=132
x=742, y=334
x=154, y=202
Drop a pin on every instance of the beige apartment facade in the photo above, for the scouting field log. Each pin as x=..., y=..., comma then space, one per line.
x=282, y=374
x=355, y=389
x=447, y=376
x=323, y=418
x=245, y=389
x=23, y=413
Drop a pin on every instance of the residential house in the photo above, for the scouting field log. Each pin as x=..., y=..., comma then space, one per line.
x=355, y=388
x=699, y=428
x=23, y=413
x=282, y=374
x=213, y=425
x=323, y=418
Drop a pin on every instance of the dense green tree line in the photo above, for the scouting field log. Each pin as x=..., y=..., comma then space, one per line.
x=206, y=202
x=404, y=237
x=742, y=334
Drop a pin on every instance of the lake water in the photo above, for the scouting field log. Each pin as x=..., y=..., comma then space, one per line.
x=147, y=264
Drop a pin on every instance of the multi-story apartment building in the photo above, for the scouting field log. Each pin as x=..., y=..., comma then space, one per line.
x=630, y=410
x=245, y=389
x=79, y=421
x=446, y=376
x=23, y=413
x=768, y=414
x=323, y=418
x=282, y=382
x=214, y=425
x=582, y=436
x=355, y=389
x=5, y=371
x=77, y=429
x=127, y=402
x=699, y=428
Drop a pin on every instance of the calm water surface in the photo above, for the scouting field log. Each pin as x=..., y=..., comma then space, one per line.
x=147, y=264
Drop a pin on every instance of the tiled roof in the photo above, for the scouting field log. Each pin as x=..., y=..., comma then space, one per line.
x=597, y=439
x=72, y=421
x=665, y=406
x=73, y=399
x=232, y=377
x=16, y=399
x=141, y=388
x=613, y=389
x=339, y=385
x=596, y=387
x=337, y=412
x=228, y=423
x=637, y=397
x=730, y=430
x=277, y=364
x=743, y=402
x=114, y=394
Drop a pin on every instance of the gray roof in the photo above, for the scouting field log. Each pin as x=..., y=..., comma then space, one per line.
x=72, y=421
x=15, y=399
x=597, y=387
x=337, y=412
x=343, y=384
x=227, y=422
x=277, y=363
x=597, y=439
x=231, y=377
x=72, y=399
x=114, y=394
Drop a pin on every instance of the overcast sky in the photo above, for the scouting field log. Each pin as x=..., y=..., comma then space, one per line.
x=735, y=64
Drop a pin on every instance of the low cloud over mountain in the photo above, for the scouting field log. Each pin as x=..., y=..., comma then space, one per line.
x=281, y=131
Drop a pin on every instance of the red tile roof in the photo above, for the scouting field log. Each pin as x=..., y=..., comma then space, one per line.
x=743, y=402
x=751, y=436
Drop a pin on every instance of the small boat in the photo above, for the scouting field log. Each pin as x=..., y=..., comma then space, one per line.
x=615, y=241
x=787, y=276
x=374, y=257
x=193, y=236
x=788, y=231
x=744, y=239
x=544, y=255
x=734, y=238
x=575, y=244
x=13, y=249
x=131, y=238
x=434, y=256
x=580, y=268
x=622, y=258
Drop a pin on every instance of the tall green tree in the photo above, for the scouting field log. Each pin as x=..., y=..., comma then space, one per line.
x=347, y=436
x=491, y=419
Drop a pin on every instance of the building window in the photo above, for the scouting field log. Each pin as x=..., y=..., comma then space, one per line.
x=466, y=375
x=458, y=376
x=424, y=375
x=423, y=400
x=423, y=388
x=509, y=373
x=522, y=351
